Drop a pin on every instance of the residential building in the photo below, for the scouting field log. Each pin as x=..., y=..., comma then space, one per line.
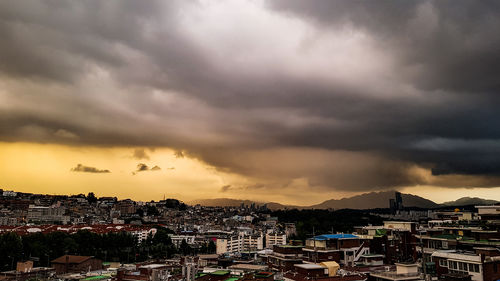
x=284, y=257
x=76, y=264
x=483, y=264
x=239, y=243
x=275, y=239
x=177, y=239
x=345, y=249
x=404, y=271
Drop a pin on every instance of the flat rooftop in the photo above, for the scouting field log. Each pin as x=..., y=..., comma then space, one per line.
x=309, y=266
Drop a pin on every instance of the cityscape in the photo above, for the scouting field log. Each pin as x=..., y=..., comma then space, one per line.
x=249, y=140
x=84, y=237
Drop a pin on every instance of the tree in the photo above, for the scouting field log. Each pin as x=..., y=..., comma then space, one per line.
x=91, y=198
x=212, y=248
x=11, y=249
x=152, y=211
x=184, y=248
x=140, y=212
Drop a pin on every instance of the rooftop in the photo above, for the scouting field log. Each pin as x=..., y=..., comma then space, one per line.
x=335, y=236
x=309, y=266
x=220, y=272
x=71, y=259
x=99, y=277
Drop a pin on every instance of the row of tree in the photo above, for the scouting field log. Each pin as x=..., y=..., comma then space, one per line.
x=325, y=221
x=121, y=246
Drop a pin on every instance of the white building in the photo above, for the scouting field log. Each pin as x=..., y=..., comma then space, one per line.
x=489, y=213
x=455, y=262
x=275, y=239
x=8, y=193
x=177, y=239
x=143, y=234
x=47, y=214
x=407, y=272
x=239, y=243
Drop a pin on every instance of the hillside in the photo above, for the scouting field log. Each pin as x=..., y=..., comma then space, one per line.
x=374, y=200
x=223, y=202
x=364, y=201
x=464, y=201
x=228, y=202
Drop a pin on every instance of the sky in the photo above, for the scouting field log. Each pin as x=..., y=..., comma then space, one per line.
x=282, y=100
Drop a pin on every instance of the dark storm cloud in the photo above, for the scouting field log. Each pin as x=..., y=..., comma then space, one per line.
x=453, y=43
x=87, y=169
x=351, y=95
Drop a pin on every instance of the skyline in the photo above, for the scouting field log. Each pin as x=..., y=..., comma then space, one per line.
x=126, y=176
x=286, y=101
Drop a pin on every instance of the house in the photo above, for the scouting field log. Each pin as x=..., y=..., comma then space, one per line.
x=404, y=271
x=76, y=264
x=26, y=271
x=343, y=248
x=326, y=271
x=481, y=265
x=284, y=257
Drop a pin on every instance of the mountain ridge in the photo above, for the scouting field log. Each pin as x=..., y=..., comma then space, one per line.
x=369, y=200
x=470, y=201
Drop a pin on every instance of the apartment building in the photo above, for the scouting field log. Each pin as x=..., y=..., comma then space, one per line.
x=239, y=243
x=489, y=213
x=275, y=239
x=345, y=249
x=284, y=257
x=177, y=239
x=42, y=214
x=483, y=264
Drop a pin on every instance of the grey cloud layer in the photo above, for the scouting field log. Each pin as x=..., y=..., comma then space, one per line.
x=347, y=94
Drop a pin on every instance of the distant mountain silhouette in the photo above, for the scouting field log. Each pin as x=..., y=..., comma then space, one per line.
x=470, y=201
x=223, y=202
x=370, y=200
x=374, y=200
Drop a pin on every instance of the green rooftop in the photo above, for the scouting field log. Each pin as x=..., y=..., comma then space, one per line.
x=447, y=236
x=94, y=278
x=220, y=272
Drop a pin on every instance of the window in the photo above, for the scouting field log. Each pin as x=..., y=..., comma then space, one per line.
x=443, y=263
x=473, y=267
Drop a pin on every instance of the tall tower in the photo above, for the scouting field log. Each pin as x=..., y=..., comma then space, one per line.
x=399, y=201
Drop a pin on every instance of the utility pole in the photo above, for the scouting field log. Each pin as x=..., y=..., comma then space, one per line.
x=314, y=242
x=424, y=269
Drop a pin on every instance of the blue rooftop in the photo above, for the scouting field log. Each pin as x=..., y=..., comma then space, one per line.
x=334, y=236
